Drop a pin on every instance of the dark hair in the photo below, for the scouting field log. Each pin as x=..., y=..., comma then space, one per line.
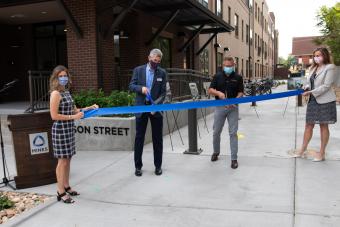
x=325, y=54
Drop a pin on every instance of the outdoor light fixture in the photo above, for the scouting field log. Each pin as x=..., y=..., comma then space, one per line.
x=217, y=45
x=123, y=35
x=226, y=49
x=19, y=15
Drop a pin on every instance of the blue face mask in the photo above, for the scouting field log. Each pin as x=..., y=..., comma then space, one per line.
x=228, y=70
x=63, y=80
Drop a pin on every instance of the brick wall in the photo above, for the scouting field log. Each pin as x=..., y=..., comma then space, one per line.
x=82, y=52
x=140, y=26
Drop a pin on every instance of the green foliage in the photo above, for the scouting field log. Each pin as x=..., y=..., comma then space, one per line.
x=5, y=203
x=290, y=61
x=116, y=98
x=329, y=24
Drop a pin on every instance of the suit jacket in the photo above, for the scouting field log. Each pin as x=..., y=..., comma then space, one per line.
x=158, y=88
x=323, y=82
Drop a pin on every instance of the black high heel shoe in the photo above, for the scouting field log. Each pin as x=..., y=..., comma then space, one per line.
x=60, y=198
x=71, y=192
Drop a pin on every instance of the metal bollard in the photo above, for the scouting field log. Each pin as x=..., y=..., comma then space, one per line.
x=253, y=93
x=299, y=103
x=192, y=133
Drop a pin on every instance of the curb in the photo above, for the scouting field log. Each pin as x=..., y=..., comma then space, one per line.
x=15, y=221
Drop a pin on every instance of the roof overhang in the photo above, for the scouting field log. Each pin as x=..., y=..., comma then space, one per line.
x=192, y=14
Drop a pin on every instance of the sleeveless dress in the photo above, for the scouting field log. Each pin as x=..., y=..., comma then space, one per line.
x=320, y=113
x=63, y=138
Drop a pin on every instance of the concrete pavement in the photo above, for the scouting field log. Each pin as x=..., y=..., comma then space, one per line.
x=268, y=189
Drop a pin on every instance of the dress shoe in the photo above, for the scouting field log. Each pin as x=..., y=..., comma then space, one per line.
x=234, y=164
x=214, y=157
x=158, y=171
x=138, y=172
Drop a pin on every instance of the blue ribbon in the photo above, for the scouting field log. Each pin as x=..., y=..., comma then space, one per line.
x=188, y=105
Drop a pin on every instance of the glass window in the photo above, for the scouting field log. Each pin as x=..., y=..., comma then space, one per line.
x=236, y=25
x=242, y=62
x=237, y=64
x=255, y=40
x=255, y=10
x=44, y=31
x=164, y=45
x=219, y=8
x=229, y=15
x=242, y=30
x=247, y=34
x=204, y=61
x=219, y=61
x=205, y=3
x=50, y=45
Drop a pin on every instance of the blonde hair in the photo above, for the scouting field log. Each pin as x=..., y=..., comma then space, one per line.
x=54, y=82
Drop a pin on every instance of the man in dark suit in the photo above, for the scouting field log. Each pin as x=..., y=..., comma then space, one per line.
x=149, y=83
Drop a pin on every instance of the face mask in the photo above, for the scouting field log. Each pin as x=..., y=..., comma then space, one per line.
x=63, y=80
x=228, y=70
x=318, y=60
x=154, y=65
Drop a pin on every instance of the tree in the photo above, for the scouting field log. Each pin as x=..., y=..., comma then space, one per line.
x=290, y=61
x=329, y=24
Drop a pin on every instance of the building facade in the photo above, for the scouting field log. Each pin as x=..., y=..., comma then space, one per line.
x=101, y=41
x=253, y=43
x=302, y=50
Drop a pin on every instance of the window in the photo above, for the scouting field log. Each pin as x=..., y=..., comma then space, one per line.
x=251, y=36
x=219, y=8
x=237, y=64
x=255, y=10
x=50, y=45
x=258, y=14
x=255, y=40
x=250, y=3
x=247, y=33
x=247, y=69
x=236, y=25
x=229, y=15
x=204, y=61
x=242, y=67
x=205, y=3
x=219, y=61
x=242, y=30
x=164, y=45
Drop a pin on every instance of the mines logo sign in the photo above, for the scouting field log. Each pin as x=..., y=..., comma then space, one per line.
x=39, y=143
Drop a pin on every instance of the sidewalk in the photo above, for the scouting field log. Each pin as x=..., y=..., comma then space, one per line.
x=269, y=189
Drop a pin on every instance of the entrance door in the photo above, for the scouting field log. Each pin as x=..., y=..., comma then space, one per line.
x=50, y=45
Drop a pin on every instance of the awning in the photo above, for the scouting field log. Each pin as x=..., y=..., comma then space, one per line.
x=190, y=14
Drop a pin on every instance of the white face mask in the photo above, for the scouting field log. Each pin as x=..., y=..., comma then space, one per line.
x=318, y=60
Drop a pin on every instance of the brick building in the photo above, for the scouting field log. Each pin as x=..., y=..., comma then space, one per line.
x=302, y=50
x=101, y=41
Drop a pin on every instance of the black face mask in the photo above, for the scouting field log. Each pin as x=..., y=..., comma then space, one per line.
x=153, y=65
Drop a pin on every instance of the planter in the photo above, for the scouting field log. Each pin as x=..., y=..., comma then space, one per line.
x=105, y=134
x=118, y=134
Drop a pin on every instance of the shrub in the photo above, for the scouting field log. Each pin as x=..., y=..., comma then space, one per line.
x=116, y=98
x=5, y=202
